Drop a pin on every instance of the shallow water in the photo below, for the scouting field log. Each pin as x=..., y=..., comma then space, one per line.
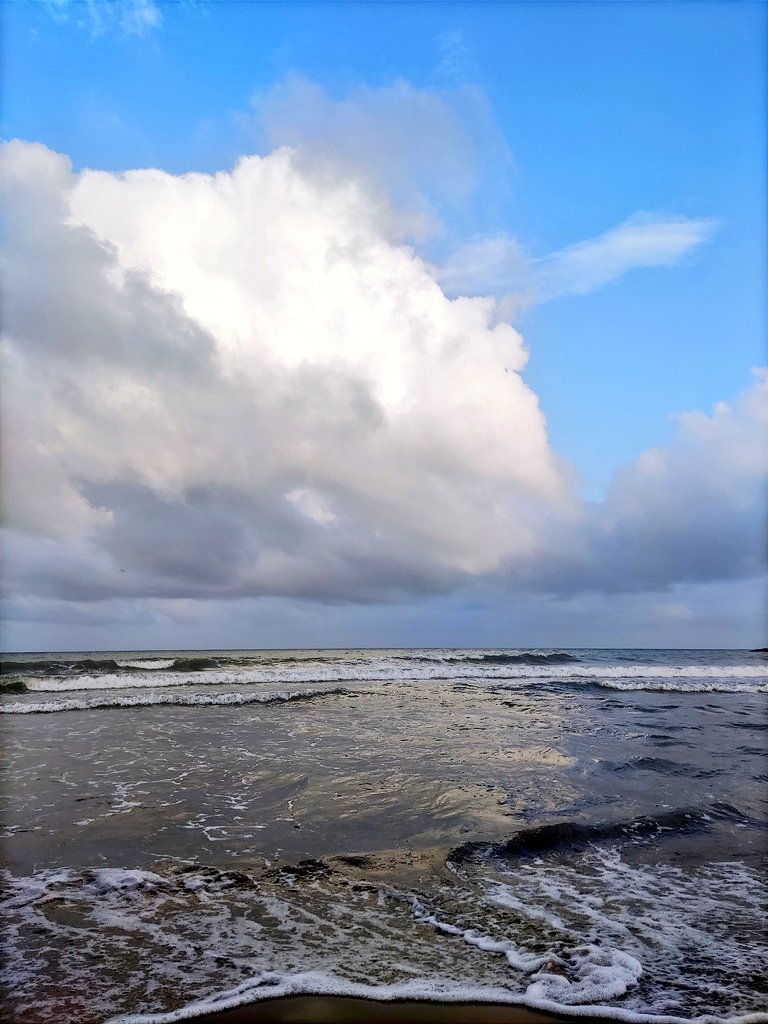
x=208, y=822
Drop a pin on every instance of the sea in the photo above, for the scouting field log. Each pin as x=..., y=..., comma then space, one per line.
x=580, y=831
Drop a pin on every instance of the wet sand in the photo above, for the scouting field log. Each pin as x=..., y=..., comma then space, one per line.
x=346, y=1010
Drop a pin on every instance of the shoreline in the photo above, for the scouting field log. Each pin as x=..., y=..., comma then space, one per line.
x=325, y=1009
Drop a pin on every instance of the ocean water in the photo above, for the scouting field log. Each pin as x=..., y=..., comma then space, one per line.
x=579, y=830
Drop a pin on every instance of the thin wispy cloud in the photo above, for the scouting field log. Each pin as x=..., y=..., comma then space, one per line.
x=500, y=265
x=644, y=240
x=491, y=265
x=455, y=59
x=431, y=154
x=136, y=18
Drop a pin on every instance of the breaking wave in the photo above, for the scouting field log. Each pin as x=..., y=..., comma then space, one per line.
x=689, y=678
x=142, y=700
x=691, y=684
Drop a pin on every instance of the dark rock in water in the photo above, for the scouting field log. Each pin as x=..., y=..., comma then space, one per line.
x=15, y=686
x=304, y=869
x=237, y=880
x=759, y=650
x=354, y=860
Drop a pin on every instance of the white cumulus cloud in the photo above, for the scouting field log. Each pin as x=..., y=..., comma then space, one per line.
x=237, y=384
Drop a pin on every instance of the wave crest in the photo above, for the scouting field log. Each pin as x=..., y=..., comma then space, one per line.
x=142, y=700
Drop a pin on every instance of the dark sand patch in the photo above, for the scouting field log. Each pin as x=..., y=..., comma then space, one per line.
x=347, y=1010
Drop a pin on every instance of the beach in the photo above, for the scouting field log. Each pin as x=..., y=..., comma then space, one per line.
x=460, y=836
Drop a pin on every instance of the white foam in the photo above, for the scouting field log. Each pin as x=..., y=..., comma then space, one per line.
x=142, y=700
x=697, y=924
x=597, y=973
x=600, y=974
x=517, y=958
x=109, y=879
x=125, y=681
x=686, y=685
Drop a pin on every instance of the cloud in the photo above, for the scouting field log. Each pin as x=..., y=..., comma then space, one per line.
x=241, y=385
x=492, y=265
x=456, y=60
x=729, y=614
x=127, y=17
x=237, y=384
x=499, y=265
x=430, y=154
x=691, y=512
x=675, y=611
x=440, y=168
x=641, y=241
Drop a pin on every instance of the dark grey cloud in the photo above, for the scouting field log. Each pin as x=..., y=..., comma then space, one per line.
x=727, y=614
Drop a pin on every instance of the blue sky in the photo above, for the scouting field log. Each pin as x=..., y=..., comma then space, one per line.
x=572, y=119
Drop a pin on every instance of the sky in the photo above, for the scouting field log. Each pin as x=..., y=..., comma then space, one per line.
x=383, y=324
